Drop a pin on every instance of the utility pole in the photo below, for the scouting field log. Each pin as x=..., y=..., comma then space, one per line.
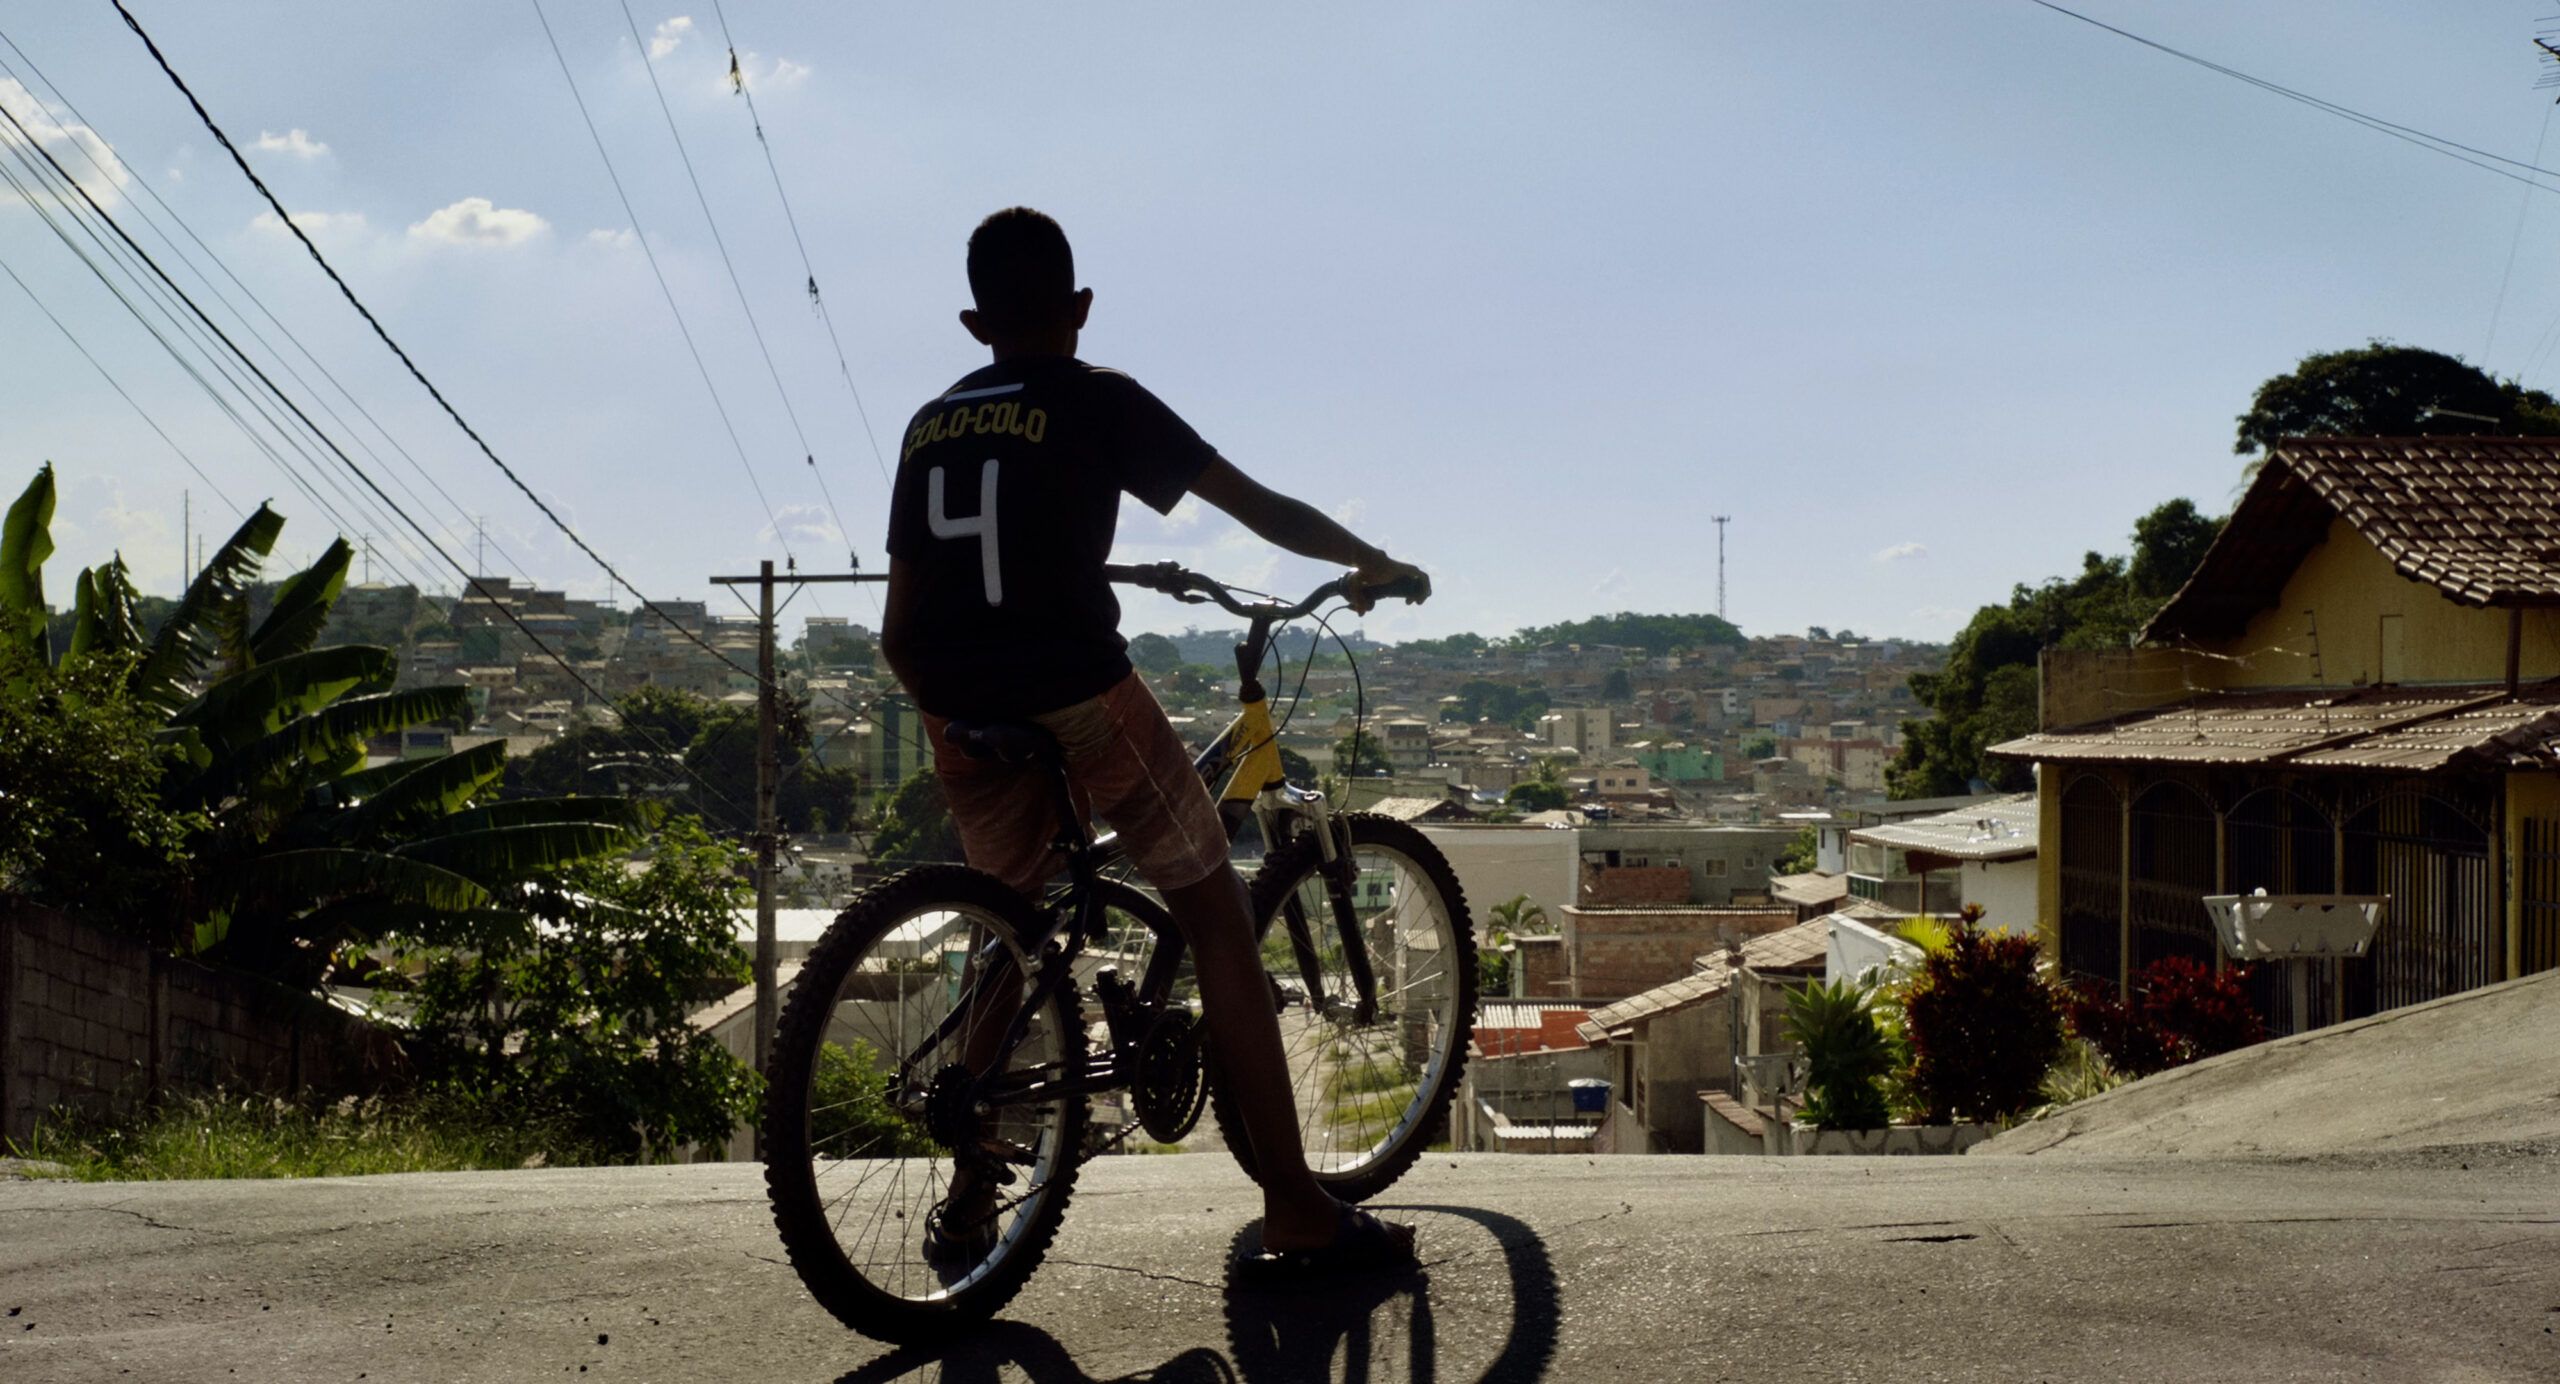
x=1720, y=521
x=768, y=839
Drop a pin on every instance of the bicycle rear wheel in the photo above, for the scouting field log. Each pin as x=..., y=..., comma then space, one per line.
x=1372, y=1091
x=873, y=1107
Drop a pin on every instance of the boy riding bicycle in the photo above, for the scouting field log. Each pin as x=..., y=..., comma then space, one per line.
x=1007, y=496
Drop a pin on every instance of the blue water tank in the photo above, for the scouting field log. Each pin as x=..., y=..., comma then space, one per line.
x=1590, y=1096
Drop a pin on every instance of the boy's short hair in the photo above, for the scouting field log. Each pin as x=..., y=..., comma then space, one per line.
x=1020, y=269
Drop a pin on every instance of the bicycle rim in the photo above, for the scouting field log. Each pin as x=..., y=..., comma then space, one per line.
x=868, y=1119
x=1371, y=1094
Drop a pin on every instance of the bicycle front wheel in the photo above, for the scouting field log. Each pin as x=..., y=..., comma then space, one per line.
x=1372, y=1089
x=917, y=1174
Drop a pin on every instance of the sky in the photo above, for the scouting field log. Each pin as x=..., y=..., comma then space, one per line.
x=1929, y=300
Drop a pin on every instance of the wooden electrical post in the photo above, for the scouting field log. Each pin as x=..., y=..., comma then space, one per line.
x=768, y=837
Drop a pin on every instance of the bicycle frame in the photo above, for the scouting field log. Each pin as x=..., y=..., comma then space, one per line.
x=1246, y=755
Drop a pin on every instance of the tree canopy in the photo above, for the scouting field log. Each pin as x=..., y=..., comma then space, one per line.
x=1655, y=634
x=1986, y=692
x=2386, y=390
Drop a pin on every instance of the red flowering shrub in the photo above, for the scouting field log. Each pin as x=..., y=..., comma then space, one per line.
x=1983, y=1025
x=2181, y=1012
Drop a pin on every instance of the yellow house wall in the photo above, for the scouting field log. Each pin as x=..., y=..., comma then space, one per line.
x=2049, y=862
x=2528, y=795
x=2342, y=590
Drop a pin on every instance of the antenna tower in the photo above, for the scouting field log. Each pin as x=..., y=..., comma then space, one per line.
x=1720, y=521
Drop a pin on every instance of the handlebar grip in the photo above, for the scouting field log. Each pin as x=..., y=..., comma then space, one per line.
x=1416, y=588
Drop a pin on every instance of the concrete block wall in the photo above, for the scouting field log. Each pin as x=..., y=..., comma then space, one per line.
x=1621, y=886
x=1616, y=952
x=98, y=1021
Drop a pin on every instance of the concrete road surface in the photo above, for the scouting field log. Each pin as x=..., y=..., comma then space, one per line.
x=2434, y=1266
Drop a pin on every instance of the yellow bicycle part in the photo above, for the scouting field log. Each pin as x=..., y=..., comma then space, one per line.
x=1260, y=767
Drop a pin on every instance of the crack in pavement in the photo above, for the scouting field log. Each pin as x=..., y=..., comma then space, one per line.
x=1142, y=1273
x=145, y=1218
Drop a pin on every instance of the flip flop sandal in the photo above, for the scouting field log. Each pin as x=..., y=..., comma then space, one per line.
x=1361, y=1244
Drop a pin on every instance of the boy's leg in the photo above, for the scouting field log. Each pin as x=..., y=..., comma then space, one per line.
x=1216, y=918
x=1125, y=754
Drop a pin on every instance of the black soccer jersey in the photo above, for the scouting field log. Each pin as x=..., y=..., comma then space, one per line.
x=1007, y=497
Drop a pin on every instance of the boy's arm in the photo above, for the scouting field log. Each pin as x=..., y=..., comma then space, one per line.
x=1295, y=525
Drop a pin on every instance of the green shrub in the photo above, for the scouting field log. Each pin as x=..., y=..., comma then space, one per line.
x=1836, y=1026
x=1983, y=1025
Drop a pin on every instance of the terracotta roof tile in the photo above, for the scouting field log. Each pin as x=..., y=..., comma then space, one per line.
x=2476, y=517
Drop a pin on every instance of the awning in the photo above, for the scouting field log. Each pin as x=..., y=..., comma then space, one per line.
x=2399, y=729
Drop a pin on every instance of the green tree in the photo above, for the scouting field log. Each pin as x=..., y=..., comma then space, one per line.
x=1154, y=654
x=573, y=1000
x=1532, y=796
x=2385, y=390
x=1617, y=685
x=1655, y=634
x=1986, y=693
x=1358, y=754
x=1800, y=856
x=1484, y=699
x=915, y=824
x=82, y=827
x=1845, y=1051
x=1297, y=768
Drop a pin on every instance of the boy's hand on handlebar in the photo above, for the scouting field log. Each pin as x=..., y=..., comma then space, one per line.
x=1381, y=575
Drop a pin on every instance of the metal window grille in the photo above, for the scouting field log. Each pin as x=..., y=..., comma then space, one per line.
x=2092, y=875
x=2173, y=869
x=2538, y=878
x=2441, y=935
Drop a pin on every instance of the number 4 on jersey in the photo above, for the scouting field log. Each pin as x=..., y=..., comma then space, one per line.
x=980, y=526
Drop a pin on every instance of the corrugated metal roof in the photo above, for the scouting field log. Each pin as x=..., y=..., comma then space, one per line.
x=1992, y=829
x=1786, y=949
x=2476, y=517
x=1805, y=889
x=2405, y=729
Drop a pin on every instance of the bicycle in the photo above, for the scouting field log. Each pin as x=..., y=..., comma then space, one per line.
x=940, y=1028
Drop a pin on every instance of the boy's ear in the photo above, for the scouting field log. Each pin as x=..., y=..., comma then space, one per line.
x=977, y=326
x=1084, y=306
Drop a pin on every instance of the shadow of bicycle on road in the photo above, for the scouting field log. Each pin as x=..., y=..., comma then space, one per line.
x=1372, y=1328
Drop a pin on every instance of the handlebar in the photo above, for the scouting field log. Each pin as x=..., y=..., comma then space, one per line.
x=1182, y=584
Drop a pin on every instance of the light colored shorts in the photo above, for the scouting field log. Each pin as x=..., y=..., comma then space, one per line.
x=1124, y=763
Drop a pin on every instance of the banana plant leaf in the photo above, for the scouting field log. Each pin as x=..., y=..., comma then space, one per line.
x=324, y=873
x=180, y=646
x=260, y=701
x=102, y=612
x=499, y=852
x=26, y=540
x=630, y=814
x=431, y=789
x=302, y=606
x=332, y=739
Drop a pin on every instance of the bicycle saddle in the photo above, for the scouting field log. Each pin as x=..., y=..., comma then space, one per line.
x=1008, y=742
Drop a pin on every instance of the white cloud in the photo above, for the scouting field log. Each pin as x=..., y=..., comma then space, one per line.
x=612, y=240
x=1185, y=515
x=669, y=36
x=761, y=74
x=476, y=221
x=1902, y=552
x=1350, y=511
x=86, y=157
x=1612, y=583
x=296, y=142
x=801, y=524
x=312, y=222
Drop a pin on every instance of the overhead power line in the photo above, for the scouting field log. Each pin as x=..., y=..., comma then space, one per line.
x=415, y=372
x=817, y=301
x=180, y=254
x=2435, y=144
x=720, y=244
x=640, y=235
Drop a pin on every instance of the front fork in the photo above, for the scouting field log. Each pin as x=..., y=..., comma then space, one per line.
x=1281, y=812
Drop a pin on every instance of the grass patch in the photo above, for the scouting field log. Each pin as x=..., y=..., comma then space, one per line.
x=227, y=1136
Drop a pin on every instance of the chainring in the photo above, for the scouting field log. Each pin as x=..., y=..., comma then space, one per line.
x=1172, y=1086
